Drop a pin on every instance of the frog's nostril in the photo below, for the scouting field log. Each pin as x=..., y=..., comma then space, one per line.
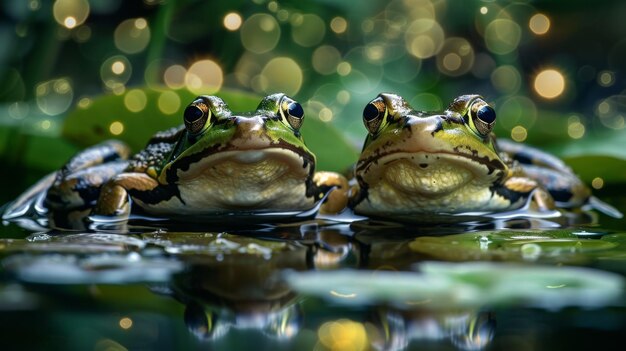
x=249, y=124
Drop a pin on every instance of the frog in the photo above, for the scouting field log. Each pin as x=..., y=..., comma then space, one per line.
x=415, y=163
x=216, y=162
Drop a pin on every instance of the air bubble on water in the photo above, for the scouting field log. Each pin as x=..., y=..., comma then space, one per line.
x=38, y=237
x=587, y=234
x=484, y=242
x=531, y=251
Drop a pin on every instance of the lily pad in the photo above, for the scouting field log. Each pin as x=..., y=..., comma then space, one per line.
x=162, y=109
x=561, y=246
x=476, y=284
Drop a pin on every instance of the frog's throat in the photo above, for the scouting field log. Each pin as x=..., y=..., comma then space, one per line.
x=426, y=173
x=259, y=165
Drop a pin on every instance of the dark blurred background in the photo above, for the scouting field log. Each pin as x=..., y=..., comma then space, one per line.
x=553, y=69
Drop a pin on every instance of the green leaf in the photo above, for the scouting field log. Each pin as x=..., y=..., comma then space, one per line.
x=596, y=155
x=90, y=125
x=445, y=285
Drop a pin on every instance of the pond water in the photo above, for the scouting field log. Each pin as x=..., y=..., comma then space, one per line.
x=327, y=284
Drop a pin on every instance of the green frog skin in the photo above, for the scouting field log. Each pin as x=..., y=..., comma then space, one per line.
x=217, y=161
x=449, y=162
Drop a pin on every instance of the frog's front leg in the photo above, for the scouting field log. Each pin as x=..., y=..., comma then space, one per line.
x=540, y=198
x=115, y=196
x=337, y=200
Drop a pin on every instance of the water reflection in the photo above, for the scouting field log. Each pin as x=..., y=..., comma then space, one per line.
x=366, y=282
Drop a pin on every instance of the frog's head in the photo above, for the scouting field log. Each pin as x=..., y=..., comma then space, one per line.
x=251, y=156
x=429, y=154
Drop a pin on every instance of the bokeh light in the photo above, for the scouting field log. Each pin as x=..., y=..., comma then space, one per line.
x=343, y=335
x=424, y=38
x=232, y=21
x=575, y=128
x=539, y=24
x=204, y=77
x=132, y=35
x=281, y=74
x=456, y=57
x=82, y=34
x=308, y=30
x=516, y=110
x=502, y=36
x=343, y=97
x=135, y=100
x=597, y=183
x=260, y=33
x=549, y=83
x=344, y=68
x=115, y=72
x=54, y=96
x=126, y=323
x=359, y=74
x=612, y=111
x=325, y=59
x=84, y=102
x=519, y=134
x=169, y=102
x=116, y=128
x=174, y=76
x=606, y=78
x=70, y=13
x=506, y=79
x=338, y=25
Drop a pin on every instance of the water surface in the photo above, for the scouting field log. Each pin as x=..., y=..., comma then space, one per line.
x=332, y=283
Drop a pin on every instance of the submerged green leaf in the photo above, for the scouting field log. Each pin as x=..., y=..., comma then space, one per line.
x=597, y=155
x=562, y=246
x=474, y=284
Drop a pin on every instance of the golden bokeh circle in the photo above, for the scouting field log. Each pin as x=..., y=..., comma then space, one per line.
x=308, y=31
x=204, y=77
x=281, y=74
x=70, y=13
x=456, y=57
x=260, y=33
x=325, y=59
x=549, y=83
x=132, y=35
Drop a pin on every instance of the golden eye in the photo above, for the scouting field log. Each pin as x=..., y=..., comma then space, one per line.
x=482, y=117
x=196, y=116
x=293, y=112
x=373, y=115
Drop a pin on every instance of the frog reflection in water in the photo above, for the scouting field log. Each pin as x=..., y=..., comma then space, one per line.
x=449, y=162
x=216, y=162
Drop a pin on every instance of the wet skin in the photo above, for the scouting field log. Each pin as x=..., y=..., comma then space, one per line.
x=449, y=162
x=217, y=161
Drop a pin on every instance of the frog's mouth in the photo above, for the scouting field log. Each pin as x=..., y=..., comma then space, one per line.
x=258, y=166
x=427, y=174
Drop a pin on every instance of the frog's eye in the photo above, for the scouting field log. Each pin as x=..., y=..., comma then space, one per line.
x=293, y=112
x=482, y=117
x=196, y=116
x=373, y=115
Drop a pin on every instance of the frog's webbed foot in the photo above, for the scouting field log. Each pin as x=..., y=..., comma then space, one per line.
x=114, y=200
x=603, y=207
x=337, y=200
x=540, y=198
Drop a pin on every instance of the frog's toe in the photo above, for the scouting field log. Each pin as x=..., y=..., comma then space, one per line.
x=605, y=208
x=337, y=200
x=113, y=201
